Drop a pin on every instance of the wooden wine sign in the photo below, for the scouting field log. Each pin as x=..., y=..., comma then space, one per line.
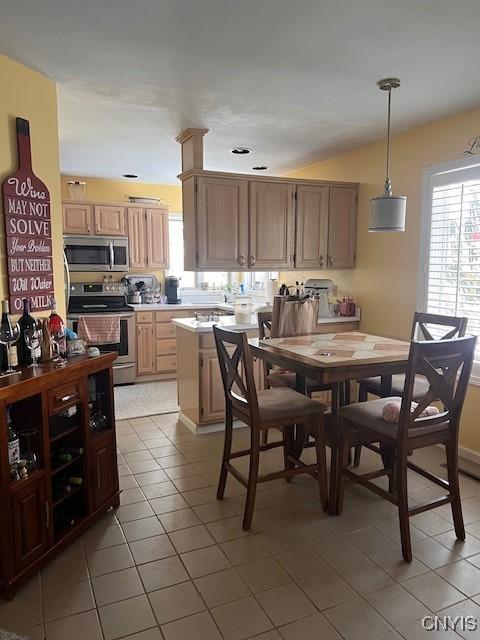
x=28, y=230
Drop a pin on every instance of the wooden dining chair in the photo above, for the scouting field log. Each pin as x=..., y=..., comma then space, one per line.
x=446, y=365
x=455, y=326
x=281, y=409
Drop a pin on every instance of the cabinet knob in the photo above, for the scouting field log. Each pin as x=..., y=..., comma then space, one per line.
x=321, y=261
x=241, y=260
x=329, y=261
x=252, y=260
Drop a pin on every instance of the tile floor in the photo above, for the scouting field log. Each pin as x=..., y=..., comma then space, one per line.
x=173, y=563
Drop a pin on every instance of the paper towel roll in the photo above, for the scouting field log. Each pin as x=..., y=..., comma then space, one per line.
x=272, y=290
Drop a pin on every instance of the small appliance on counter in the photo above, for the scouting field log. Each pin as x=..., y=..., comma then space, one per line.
x=140, y=288
x=321, y=289
x=172, y=285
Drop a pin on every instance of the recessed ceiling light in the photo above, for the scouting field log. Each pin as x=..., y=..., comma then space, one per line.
x=129, y=175
x=259, y=168
x=240, y=151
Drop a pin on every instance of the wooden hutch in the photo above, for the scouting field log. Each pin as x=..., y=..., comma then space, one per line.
x=42, y=513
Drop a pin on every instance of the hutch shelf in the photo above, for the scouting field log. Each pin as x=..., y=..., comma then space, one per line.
x=65, y=421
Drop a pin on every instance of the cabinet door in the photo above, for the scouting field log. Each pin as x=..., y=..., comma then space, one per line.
x=212, y=397
x=271, y=226
x=77, y=218
x=103, y=474
x=157, y=239
x=31, y=523
x=311, y=227
x=222, y=223
x=109, y=220
x=145, y=349
x=342, y=228
x=137, y=238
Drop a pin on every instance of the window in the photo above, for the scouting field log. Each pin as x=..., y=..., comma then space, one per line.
x=451, y=244
x=175, y=230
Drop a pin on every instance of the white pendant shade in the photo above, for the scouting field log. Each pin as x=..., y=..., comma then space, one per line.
x=387, y=213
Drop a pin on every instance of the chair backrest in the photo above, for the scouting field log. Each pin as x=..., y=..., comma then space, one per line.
x=447, y=365
x=455, y=326
x=294, y=317
x=264, y=324
x=236, y=367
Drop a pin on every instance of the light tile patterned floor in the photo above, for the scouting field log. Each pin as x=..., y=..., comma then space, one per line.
x=173, y=563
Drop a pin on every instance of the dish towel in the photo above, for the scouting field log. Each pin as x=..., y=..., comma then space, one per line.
x=102, y=329
x=391, y=411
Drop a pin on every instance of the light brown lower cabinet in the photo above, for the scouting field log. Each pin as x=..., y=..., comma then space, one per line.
x=212, y=398
x=145, y=349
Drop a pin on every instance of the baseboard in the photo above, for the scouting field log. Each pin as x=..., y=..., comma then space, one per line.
x=208, y=428
x=469, y=454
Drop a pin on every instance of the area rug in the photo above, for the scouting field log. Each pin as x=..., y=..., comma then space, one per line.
x=10, y=635
x=145, y=399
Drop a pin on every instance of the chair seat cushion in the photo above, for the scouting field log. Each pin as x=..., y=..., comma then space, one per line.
x=369, y=415
x=283, y=406
x=288, y=379
x=421, y=387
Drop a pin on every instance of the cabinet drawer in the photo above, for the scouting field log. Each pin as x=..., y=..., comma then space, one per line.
x=168, y=316
x=144, y=316
x=166, y=363
x=62, y=397
x=166, y=347
x=165, y=330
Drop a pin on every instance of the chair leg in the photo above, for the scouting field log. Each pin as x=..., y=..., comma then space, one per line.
x=288, y=448
x=343, y=452
x=452, y=467
x=358, y=453
x=320, y=448
x=252, y=478
x=227, y=448
x=402, y=495
x=362, y=394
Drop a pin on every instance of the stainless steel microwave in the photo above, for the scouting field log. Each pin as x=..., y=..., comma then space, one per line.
x=97, y=253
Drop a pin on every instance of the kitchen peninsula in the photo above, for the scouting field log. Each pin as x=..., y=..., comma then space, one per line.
x=200, y=390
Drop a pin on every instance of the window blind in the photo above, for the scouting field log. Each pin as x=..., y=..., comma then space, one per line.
x=454, y=255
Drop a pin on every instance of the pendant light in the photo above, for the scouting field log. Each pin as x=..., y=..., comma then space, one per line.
x=387, y=212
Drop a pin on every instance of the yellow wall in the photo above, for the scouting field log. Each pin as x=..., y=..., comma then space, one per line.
x=101, y=190
x=30, y=95
x=116, y=191
x=385, y=279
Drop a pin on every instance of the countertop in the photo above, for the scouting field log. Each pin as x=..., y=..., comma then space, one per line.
x=183, y=305
x=229, y=322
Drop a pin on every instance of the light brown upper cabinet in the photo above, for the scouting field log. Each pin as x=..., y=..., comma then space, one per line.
x=109, y=220
x=234, y=222
x=148, y=238
x=271, y=225
x=157, y=238
x=137, y=237
x=222, y=224
x=311, y=231
x=77, y=218
x=342, y=228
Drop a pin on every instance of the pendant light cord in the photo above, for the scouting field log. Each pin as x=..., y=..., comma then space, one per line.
x=388, y=185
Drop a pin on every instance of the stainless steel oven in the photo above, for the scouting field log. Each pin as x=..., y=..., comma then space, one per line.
x=99, y=298
x=107, y=253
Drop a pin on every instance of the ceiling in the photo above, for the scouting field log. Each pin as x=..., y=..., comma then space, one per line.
x=294, y=80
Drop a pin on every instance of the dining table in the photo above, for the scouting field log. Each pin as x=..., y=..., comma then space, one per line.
x=334, y=359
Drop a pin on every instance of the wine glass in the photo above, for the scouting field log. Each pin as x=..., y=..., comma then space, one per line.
x=31, y=457
x=9, y=335
x=33, y=338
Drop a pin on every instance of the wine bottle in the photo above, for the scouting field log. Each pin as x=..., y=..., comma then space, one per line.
x=57, y=328
x=13, y=442
x=26, y=323
x=74, y=451
x=76, y=480
x=64, y=457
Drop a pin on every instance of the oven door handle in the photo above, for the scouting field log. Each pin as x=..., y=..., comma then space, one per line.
x=112, y=255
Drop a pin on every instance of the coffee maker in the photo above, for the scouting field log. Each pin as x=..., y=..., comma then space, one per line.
x=171, y=290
